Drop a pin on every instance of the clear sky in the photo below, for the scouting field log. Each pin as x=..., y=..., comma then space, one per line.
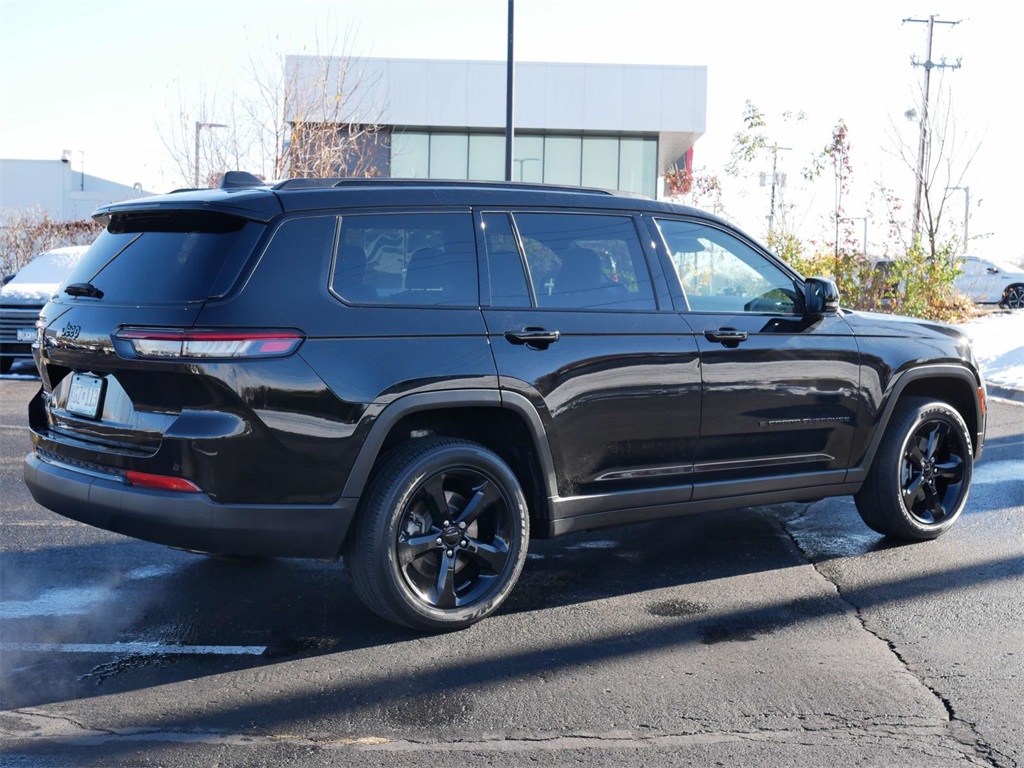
x=99, y=76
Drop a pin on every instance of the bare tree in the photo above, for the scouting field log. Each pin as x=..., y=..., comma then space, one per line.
x=948, y=154
x=308, y=115
x=758, y=143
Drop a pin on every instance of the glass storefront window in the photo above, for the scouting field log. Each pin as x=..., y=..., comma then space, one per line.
x=628, y=163
x=410, y=155
x=638, y=166
x=600, y=162
x=449, y=156
x=487, y=157
x=562, y=160
x=528, y=159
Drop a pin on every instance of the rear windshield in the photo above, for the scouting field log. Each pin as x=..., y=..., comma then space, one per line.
x=168, y=257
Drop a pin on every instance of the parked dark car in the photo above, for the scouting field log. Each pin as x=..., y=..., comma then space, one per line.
x=422, y=375
x=22, y=296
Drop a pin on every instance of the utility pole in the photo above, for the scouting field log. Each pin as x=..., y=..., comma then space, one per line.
x=928, y=65
x=775, y=178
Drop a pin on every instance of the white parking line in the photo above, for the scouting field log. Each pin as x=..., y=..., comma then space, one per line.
x=136, y=649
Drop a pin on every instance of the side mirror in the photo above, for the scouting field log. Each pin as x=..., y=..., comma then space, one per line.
x=821, y=297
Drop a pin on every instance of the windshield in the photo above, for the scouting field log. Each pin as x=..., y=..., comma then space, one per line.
x=51, y=267
x=1006, y=266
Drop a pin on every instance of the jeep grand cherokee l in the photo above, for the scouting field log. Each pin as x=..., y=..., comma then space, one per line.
x=421, y=375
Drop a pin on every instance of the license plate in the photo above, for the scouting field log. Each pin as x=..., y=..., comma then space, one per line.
x=85, y=395
x=26, y=334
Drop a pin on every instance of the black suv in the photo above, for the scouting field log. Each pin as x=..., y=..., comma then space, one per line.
x=421, y=375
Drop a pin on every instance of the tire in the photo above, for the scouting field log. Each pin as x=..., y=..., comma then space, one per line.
x=1013, y=298
x=6, y=363
x=921, y=475
x=440, y=537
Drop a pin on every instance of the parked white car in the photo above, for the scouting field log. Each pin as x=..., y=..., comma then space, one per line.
x=992, y=282
x=22, y=297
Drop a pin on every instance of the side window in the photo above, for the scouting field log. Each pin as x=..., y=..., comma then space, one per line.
x=720, y=273
x=508, y=280
x=585, y=261
x=421, y=259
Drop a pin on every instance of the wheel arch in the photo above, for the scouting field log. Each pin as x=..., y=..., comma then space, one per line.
x=506, y=423
x=956, y=385
x=1004, y=300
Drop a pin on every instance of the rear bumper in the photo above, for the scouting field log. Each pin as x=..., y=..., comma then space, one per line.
x=189, y=520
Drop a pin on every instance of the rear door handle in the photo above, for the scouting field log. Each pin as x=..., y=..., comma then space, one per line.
x=727, y=337
x=537, y=338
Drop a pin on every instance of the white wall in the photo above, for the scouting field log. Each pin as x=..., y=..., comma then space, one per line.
x=56, y=188
x=471, y=94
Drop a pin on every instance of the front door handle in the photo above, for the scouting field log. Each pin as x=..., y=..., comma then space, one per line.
x=535, y=338
x=727, y=337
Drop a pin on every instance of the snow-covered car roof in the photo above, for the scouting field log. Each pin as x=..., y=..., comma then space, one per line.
x=38, y=280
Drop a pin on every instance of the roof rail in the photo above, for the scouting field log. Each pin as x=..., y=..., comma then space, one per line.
x=353, y=181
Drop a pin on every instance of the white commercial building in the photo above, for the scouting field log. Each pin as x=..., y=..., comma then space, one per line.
x=55, y=188
x=600, y=125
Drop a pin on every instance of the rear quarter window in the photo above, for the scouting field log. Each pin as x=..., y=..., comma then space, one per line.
x=410, y=259
x=167, y=258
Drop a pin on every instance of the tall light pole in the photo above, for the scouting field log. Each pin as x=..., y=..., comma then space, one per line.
x=510, y=81
x=967, y=210
x=199, y=129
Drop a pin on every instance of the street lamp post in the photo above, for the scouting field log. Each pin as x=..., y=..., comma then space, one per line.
x=521, y=162
x=510, y=81
x=199, y=128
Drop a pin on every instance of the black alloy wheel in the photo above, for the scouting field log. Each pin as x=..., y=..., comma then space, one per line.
x=441, y=535
x=932, y=475
x=921, y=474
x=1014, y=297
x=453, y=538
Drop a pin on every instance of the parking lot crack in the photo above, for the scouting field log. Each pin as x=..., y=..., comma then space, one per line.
x=51, y=724
x=961, y=730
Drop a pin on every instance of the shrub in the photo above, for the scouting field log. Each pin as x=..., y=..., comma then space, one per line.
x=25, y=233
x=912, y=284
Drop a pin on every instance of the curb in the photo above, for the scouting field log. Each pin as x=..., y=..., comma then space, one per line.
x=1005, y=393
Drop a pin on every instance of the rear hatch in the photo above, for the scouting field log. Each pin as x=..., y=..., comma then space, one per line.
x=149, y=273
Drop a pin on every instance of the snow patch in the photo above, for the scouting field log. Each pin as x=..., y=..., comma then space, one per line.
x=998, y=341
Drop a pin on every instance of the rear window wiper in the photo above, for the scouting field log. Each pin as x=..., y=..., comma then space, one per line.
x=84, y=289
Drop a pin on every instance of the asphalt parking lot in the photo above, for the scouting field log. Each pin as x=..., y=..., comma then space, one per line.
x=788, y=635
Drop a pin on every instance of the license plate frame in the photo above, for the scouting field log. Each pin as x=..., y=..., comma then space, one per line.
x=26, y=334
x=85, y=397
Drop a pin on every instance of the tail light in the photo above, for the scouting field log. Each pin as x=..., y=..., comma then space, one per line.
x=209, y=344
